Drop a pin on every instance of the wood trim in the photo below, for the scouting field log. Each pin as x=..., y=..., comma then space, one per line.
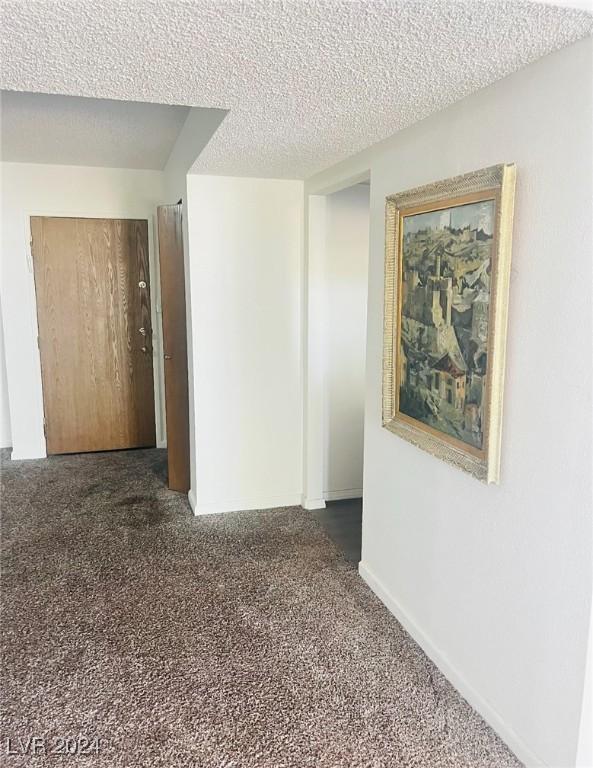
x=172, y=268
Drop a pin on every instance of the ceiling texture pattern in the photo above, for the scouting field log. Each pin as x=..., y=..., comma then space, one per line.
x=307, y=83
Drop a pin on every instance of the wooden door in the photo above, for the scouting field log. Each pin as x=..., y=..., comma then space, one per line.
x=175, y=345
x=95, y=334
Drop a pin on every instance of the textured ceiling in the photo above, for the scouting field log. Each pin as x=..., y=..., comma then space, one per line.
x=307, y=83
x=69, y=130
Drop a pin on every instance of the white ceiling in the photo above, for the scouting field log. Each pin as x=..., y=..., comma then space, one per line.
x=70, y=130
x=307, y=83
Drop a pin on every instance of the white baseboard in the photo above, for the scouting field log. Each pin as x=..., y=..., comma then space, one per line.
x=473, y=697
x=193, y=502
x=349, y=493
x=14, y=456
x=312, y=504
x=241, y=505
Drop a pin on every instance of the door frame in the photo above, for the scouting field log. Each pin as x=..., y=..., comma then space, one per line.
x=313, y=353
x=126, y=212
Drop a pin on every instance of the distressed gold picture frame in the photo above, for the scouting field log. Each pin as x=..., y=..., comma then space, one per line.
x=494, y=186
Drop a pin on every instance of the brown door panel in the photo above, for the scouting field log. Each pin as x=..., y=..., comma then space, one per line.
x=175, y=344
x=93, y=297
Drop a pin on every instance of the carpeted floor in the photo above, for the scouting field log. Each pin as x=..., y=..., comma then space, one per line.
x=226, y=641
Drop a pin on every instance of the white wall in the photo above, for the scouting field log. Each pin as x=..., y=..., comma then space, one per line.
x=51, y=190
x=495, y=581
x=245, y=244
x=345, y=306
x=5, y=432
x=197, y=130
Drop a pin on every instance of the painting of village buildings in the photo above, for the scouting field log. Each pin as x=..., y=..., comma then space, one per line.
x=445, y=299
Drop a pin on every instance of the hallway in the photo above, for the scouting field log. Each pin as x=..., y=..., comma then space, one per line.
x=242, y=639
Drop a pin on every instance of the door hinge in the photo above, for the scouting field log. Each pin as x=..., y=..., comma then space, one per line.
x=44, y=427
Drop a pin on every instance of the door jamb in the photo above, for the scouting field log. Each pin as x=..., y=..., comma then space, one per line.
x=313, y=496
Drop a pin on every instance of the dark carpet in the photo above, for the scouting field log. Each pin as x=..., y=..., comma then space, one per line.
x=226, y=641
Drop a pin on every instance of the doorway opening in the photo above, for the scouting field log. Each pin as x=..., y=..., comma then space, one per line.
x=98, y=171
x=337, y=307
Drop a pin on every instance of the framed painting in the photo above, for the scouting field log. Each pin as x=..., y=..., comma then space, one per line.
x=447, y=269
